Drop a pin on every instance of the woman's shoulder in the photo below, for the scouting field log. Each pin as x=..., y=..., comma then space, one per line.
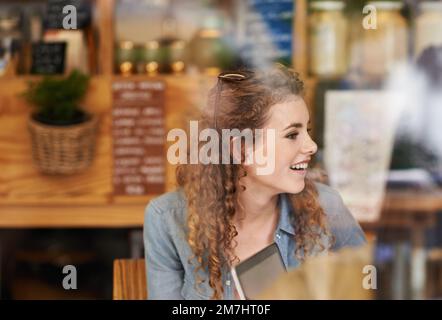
x=328, y=197
x=169, y=207
x=331, y=201
x=169, y=200
x=342, y=223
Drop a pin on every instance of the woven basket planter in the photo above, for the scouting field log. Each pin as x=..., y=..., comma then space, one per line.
x=63, y=149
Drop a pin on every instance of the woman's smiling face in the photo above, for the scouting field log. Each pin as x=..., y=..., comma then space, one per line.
x=292, y=144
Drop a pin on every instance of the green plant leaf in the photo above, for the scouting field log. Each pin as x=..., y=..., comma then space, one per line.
x=58, y=99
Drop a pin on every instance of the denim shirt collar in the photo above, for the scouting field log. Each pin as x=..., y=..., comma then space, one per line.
x=285, y=214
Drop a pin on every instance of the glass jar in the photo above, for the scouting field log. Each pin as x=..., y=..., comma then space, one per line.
x=126, y=57
x=170, y=55
x=165, y=54
x=387, y=44
x=150, y=57
x=328, y=39
x=428, y=26
x=177, y=53
x=209, y=50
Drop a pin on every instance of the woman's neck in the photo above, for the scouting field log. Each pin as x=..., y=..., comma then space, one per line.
x=257, y=204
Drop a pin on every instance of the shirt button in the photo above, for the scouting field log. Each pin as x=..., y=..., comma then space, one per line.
x=228, y=283
x=278, y=236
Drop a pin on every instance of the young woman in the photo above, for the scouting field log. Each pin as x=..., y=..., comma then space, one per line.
x=223, y=213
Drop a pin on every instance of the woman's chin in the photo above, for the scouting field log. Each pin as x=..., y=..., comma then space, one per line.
x=295, y=188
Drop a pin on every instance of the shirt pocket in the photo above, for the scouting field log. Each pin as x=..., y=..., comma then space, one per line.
x=191, y=292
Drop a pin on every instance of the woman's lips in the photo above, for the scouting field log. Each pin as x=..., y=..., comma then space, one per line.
x=300, y=172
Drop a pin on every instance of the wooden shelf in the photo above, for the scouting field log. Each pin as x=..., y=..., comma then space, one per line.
x=72, y=216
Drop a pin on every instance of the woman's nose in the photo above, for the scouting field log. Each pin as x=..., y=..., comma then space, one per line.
x=310, y=147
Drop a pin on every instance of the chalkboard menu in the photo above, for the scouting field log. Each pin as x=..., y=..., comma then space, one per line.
x=54, y=13
x=138, y=131
x=48, y=58
x=267, y=31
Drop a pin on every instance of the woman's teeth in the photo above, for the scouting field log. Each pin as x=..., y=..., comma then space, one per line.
x=299, y=166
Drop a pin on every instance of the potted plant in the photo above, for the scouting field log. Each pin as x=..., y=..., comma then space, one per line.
x=62, y=133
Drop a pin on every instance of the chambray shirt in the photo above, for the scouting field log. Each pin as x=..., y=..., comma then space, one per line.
x=170, y=276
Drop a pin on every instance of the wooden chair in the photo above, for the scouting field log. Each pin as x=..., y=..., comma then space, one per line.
x=129, y=279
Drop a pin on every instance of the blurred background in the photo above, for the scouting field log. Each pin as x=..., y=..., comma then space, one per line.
x=89, y=90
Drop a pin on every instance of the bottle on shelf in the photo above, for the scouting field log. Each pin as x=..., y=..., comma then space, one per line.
x=328, y=30
x=125, y=58
x=209, y=49
x=167, y=52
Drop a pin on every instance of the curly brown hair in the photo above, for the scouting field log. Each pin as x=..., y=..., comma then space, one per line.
x=212, y=189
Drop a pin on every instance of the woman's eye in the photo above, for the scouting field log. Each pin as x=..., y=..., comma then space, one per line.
x=292, y=135
x=309, y=130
